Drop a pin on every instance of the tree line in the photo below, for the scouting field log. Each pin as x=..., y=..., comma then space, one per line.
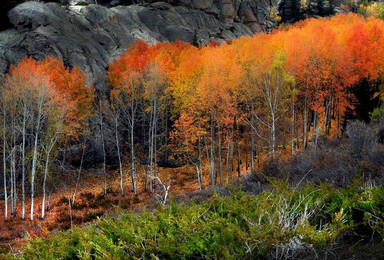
x=219, y=107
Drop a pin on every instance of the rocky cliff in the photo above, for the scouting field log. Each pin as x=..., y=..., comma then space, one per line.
x=91, y=36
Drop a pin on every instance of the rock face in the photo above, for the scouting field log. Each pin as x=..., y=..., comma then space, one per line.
x=91, y=36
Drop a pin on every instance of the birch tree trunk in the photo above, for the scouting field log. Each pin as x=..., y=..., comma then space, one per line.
x=327, y=103
x=133, y=167
x=219, y=161
x=119, y=156
x=104, y=155
x=5, y=165
x=45, y=178
x=11, y=183
x=305, y=123
x=314, y=137
x=212, y=154
x=34, y=157
x=23, y=163
x=293, y=130
x=151, y=151
x=227, y=162
x=273, y=133
x=13, y=177
x=200, y=170
x=238, y=151
x=253, y=145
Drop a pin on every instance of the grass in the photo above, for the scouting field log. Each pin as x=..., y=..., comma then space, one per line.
x=283, y=222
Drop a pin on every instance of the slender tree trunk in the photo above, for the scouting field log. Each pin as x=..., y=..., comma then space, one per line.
x=34, y=162
x=13, y=173
x=11, y=184
x=305, y=123
x=119, y=157
x=5, y=167
x=155, y=148
x=212, y=154
x=238, y=156
x=246, y=151
x=219, y=162
x=151, y=154
x=238, y=151
x=327, y=104
x=338, y=123
x=227, y=162
x=45, y=181
x=297, y=130
x=148, y=162
x=133, y=167
x=207, y=155
x=152, y=144
x=232, y=168
x=34, y=159
x=104, y=153
x=331, y=114
x=293, y=130
x=49, y=150
x=314, y=137
x=199, y=173
x=23, y=164
x=273, y=133
x=150, y=149
x=253, y=145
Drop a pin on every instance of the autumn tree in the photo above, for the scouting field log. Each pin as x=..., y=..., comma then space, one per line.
x=125, y=75
x=44, y=108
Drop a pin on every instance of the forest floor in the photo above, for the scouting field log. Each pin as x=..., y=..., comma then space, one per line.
x=90, y=203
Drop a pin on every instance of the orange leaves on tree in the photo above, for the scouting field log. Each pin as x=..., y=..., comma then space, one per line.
x=71, y=88
x=64, y=90
x=320, y=59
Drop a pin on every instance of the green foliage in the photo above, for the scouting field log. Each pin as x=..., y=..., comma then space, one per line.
x=375, y=9
x=377, y=114
x=233, y=227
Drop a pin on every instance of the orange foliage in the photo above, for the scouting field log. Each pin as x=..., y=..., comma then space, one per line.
x=325, y=56
x=71, y=87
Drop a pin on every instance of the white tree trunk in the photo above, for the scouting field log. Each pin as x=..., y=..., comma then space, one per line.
x=44, y=185
x=34, y=157
x=133, y=167
x=119, y=157
x=23, y=163
x=5, y=166
x=212, y=154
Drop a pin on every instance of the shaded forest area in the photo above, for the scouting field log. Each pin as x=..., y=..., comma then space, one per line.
x=274, y=105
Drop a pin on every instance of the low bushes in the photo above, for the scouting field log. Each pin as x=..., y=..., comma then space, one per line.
x=284, y=222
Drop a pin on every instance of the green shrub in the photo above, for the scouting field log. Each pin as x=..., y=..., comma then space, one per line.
x=232, y=227
x=377, y=114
